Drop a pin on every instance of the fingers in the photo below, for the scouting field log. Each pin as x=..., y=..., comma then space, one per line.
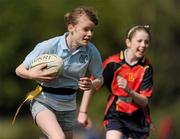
x=85, y=83
x=84, y=121
x=82, y=118
x=44, y=76
x=121, y=82
x=89, y=124
x=49, y=77
x=40, y=67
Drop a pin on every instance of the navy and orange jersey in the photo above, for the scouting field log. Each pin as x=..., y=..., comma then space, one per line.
x=139, y=77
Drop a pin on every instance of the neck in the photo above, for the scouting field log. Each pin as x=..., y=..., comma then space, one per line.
x=71, y=44
x=130, y=58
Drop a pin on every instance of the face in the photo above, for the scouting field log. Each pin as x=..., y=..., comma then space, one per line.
x=138, y=43
x=82, y=32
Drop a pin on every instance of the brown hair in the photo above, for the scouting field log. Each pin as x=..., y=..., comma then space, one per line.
x=132, y=31
x=71, y=17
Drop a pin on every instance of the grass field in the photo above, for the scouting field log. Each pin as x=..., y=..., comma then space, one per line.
x=26, y=129
x=23, y=129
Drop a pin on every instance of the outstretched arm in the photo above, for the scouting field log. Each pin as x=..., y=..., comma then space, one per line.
x=95, y=84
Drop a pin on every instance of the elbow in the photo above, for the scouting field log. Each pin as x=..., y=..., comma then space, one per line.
x=101, y=82
x=22, y=72
x=97, y=83
x=17, y=71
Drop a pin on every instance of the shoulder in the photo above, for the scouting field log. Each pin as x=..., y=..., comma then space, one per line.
x=51, y=41
x=49, y=45
x=93, y=51
x=146, y=65
x=116, y=58
x=91, y=47
x=146, y=62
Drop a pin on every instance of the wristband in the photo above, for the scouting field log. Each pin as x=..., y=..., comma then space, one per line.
x=129, y=91
x=83, y=112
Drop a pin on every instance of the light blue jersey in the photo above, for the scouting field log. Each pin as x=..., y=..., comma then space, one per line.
x=76, y=64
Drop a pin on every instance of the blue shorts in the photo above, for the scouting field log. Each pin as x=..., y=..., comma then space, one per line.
x=134, y=126
x=66, y=119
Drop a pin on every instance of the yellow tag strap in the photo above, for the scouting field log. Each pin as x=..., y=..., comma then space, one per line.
x=121, y=55
x=34, y=93
x=146, y=67
x=29, y=97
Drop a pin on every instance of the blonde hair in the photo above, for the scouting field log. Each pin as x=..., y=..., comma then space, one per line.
x=71, y=17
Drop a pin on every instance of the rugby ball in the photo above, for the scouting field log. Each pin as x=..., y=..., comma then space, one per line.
x=55, y=63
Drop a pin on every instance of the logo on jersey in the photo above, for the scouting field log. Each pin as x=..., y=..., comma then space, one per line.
x=83, y=58
x=131, y=77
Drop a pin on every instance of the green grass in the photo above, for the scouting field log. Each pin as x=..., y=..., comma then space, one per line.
x=26, y=129
x=23, y=128
x=160, y=114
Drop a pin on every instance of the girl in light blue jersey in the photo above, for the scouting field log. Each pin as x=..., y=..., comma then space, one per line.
x=54, y=108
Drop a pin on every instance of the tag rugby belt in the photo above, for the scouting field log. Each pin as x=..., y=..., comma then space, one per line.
x=32, y=94
x=58, y=91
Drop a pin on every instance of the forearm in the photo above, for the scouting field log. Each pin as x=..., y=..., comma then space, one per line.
x=95, y=84
x=22, y=72
x=138, y=98
x=85, y=101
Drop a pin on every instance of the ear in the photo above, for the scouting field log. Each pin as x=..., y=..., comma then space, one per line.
x=70, y=28
x=128, y=42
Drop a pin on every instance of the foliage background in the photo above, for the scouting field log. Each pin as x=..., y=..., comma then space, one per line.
x=24, y=23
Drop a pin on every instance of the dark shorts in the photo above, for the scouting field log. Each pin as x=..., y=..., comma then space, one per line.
x=134, y=126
